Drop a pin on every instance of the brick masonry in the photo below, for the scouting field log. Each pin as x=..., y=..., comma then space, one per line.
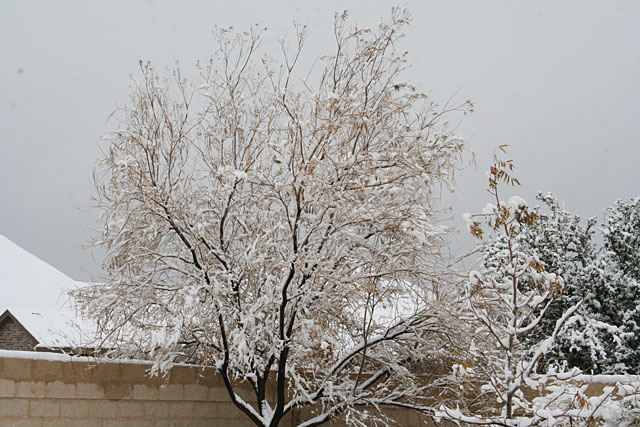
x=39, y=392
x=14, y=337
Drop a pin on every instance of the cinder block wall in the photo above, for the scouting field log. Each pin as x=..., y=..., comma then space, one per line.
x=46, y=390
x=85, y=393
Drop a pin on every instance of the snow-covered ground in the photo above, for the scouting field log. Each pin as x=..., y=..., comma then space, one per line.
x=36, y=294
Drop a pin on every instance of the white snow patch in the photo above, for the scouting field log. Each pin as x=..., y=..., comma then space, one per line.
x=517, y=202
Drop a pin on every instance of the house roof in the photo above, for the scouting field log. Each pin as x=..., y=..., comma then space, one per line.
x=52, y=329
x=35, y=293
x=27, y=281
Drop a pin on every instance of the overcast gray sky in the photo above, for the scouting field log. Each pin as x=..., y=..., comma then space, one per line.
x=557, y=81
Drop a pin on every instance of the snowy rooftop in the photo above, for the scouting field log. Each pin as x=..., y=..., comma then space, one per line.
x=35, y=293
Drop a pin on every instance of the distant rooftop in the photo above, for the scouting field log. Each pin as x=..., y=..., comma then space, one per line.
x=35, y=293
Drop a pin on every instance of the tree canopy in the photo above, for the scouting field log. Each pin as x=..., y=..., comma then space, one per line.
x=278, y=225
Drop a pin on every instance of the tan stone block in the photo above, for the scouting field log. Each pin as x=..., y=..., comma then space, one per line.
x=145, y=392
x=103, y=408
x=171, y=392
x=60, y=390
x=156, y=409
x=191, y=422
x=235, y=422
x=245, y=391
x=74, y=408
x=138, y=374
x=218, y=394
x=117, y=390
x=205, y=409
x=30, y=389
x=44, y=370
x=127, y=423
x=168, y=422
x=240, y=420
x=72, y=422
x=209, y=377
x=89, y=391
x=201, y=422
x=14, y=407
x=106, y=371
x=44, y=408
x=130, y=409
x=228, y=410
x=21, y=422
x=17, y=369
x=180, y=409
x=182, y=375
x=196, y=392
x=7, y=388
x=75, y=372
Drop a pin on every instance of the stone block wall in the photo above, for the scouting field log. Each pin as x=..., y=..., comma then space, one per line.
x=44, y=389
x=40, y=392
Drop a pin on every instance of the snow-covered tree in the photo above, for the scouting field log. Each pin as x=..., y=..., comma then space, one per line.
x=603, y=337
x=600, y=337
x=278, y=225
x=591, y=339
x=618, y=290
x=622, y=236
x=564, y=245
x=503, y=303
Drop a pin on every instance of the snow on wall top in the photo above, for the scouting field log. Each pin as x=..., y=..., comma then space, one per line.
x=34, y=292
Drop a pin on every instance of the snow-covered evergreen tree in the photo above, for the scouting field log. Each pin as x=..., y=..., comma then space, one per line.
x=601, y=337
x=618, y=291
x=564, y=245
